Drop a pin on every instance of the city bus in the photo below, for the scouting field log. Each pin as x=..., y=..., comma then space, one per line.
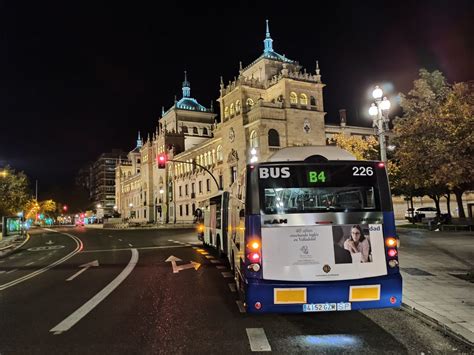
x=311, y=230
x=212, y=229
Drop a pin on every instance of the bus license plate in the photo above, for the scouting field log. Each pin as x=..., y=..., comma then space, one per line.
x=327, y=307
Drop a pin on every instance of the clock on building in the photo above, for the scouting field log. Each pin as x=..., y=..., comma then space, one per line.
x=231, y=134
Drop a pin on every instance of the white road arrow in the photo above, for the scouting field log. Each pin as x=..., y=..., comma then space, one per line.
x=84, y=268
x=178, y=268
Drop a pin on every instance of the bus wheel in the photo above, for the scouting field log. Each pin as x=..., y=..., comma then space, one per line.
x=218, y=246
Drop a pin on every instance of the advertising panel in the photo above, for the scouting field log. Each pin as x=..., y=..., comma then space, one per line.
x=323, y=253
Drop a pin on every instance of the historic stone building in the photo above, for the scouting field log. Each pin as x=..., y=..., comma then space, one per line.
x=271, y=104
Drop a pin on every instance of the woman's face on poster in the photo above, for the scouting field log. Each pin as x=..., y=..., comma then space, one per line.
x=355, y=234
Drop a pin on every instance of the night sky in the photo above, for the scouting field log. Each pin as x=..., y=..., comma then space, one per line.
x=77, y=80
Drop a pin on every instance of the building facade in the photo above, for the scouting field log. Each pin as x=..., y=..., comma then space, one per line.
x=102, y=181
x=273, y=103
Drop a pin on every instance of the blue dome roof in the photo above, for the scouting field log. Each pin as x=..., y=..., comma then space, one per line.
x=188, y=103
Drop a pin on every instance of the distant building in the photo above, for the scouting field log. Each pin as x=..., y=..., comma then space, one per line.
x=102, y=180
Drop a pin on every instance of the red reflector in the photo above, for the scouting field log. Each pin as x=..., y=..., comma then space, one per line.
x=393, y=300
x=258, y=305
x=381, y=165
x=392, y=252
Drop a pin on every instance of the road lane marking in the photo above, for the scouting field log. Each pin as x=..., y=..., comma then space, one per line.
x=30, y=263
x=140, y=248
x=195, y=248
x=13, y=270
x=79, y=247
x=227, y=274
x=232, y=287
x=221, y=267
x=209, y=257
x=130, y=245
x=83, y=267
x=42, y=258
x=2, y=271
x=214, y=261
x=82, y=311
x=258, y=340
x=241, y=307
x=110, y=236
x=120, y=240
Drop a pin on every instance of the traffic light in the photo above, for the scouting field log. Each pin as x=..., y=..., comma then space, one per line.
x=65, y=208
x=161, y=159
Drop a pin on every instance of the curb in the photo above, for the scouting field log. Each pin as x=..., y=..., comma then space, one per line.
x=445, y=329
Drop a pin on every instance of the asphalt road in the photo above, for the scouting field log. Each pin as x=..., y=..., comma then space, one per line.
x=91, y=291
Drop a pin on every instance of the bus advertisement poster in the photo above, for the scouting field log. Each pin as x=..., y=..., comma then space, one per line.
x=323, y=253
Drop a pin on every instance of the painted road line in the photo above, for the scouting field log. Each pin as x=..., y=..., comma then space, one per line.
x=241, y=307
x=209, y=257
x=221, y=267
x=43, y=257
x=2, y=271
x=232, y=287
x=2, y=261
x=141, y=248
x=13, y=270
x=200, y=250
x=79, y=247
x=130, y=245
x=30, y=263
x=214, y=261
x=195, y=248
x=82, y=311
x=170, y=240
x=110, y=236
x=258, y=340
x=120, y=240
x=227, y=274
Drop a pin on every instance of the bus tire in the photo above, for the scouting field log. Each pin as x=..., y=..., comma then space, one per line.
x=218, y=246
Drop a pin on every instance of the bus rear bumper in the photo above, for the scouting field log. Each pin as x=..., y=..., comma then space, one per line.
x=282, y=297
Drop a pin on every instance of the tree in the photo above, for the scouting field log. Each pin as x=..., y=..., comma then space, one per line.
x=361, y=148
x=14, y=191
x=434, y=138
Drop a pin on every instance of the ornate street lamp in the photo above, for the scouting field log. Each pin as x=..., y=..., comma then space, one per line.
x=379, y=113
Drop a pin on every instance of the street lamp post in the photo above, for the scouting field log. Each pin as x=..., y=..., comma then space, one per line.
x=379, y=113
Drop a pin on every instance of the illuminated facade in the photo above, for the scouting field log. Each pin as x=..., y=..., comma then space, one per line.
x=273, y=103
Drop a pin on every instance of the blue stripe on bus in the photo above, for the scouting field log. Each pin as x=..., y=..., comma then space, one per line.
x=323, y=292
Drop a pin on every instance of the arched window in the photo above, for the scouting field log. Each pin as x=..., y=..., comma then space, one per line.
x=184, y=129
x=250, y=102
x=195, y=130
x=273, y=138
x=253, y=139
x=293, y=98
x=204, y=131
x=313, y=101
x=220, y=154
x=226, y=112
x=232, y=110
x=237, y=106
x=303, y=99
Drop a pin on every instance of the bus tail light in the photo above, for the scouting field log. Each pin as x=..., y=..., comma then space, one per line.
x=258, y=305
x=254, y=257
x=254, y=245
x=391, y=242
x=392, y=252
x=381, y=164
x=254, y=267
x=393, y=300
x=393, y=263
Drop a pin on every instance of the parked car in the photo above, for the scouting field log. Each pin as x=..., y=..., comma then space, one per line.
x=419, y=213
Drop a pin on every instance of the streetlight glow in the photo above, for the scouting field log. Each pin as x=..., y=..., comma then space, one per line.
x=377, y=93
x=385, y=104
x=373, y=111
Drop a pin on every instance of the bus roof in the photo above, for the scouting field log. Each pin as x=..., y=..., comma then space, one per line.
x=302, y=153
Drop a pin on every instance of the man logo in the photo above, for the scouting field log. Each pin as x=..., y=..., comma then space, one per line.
x=274, y=172
x=326, y=268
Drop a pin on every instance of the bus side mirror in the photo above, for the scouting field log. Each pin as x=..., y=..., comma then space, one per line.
x=242, y=213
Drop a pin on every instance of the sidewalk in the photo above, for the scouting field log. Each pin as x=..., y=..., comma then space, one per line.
x=435, y=267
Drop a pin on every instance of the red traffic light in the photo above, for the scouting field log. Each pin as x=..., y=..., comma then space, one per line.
x=65, y=208
x=161, y=161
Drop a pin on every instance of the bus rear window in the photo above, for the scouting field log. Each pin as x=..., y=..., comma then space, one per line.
x=319, y=199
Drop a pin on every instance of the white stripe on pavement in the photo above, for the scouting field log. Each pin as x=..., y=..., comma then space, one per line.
x=221, y=267
x=258, y=340
x=214, y=261
x=13, y=270
x=227, y=274
x=30, y=263
x=82, y=311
